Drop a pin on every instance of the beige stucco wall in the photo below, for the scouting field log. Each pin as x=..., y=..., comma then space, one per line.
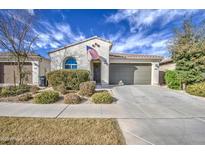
x=79, y=52
x=39, y=68
x=45, y=67
x=35, y=72
x=170, y=66
x=155, y=73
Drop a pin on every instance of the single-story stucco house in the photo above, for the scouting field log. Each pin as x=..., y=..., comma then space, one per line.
x=34, y=67
x=94, y=54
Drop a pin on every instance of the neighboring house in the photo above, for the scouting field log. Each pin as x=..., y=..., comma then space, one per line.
x=165, y=64
x=93, y=54
x=34, y=67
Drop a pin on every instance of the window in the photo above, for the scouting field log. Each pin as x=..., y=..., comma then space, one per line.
x=71, y=63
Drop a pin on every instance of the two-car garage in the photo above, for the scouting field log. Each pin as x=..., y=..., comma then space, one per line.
x=135, y=69
x=130, y=73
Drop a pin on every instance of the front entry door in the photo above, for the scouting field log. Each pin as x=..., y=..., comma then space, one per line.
x=97, y=72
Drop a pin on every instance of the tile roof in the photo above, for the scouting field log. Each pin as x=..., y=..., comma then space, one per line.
x=88, y=39
x=134, y=56
x=5, y=55
x=166, y=61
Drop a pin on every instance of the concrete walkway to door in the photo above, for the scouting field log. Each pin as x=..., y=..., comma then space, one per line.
x=146, y=114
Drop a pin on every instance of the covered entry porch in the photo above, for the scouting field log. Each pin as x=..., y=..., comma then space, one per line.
x=95, y=66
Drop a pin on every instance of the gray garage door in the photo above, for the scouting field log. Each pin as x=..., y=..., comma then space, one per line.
x=9, y=70
x=130, y=73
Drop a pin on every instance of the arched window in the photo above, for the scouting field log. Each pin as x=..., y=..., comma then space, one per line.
x=71, y=63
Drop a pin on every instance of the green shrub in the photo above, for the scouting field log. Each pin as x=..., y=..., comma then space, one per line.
x=102, y=98
x=72, y=98
x=176, y=78
x=190, y=77
x=25, y=97
x=6, y=91
x=87, y=88
x=34, y=89
x=172, y=80
x=70, y=78
x=24, y=87
x=14, y=90
x=62, y=89
x=46, y=97
x=197, y=89
x=20, y=89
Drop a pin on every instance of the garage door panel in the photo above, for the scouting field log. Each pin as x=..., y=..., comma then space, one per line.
x=142, y=75
x=10, y=75
x=130, y=73
x=122, y=72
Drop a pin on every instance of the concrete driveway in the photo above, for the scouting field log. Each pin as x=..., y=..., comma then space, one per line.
x=161, y=116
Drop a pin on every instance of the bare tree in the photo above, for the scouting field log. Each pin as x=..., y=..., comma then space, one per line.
x=17, y=36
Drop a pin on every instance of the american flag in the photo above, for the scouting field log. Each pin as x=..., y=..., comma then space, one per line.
x=93, y=53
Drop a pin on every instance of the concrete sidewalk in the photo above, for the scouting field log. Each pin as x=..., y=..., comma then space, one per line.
x=70, y=111
x=31, y=110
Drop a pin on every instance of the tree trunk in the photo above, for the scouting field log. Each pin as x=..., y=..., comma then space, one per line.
x=14, y=78
x=20, y=71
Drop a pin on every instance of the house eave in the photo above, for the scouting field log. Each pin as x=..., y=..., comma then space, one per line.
x=134, y=57
x=85, y=40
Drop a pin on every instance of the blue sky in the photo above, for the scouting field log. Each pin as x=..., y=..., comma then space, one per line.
x=131, y=31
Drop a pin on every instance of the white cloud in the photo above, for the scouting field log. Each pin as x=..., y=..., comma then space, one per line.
x=66, y=30
x=44, y=37
x=79, y=37
x=43, y=40
x=54, y=45
x=138, y=19
x=59, y=36
x=140, y=43
x=160, y=43
x=31, y=12
x=129, y=43
x=141, y=36
x=56, y=35
x=115, y=37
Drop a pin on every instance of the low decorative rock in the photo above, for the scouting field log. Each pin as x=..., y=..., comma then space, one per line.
x=120, y=83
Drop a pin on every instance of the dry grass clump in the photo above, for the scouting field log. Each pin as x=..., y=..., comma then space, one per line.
x=102, y=98
x=59, y=131
x=25, y=97
x=72, y=98
x=87, y=88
